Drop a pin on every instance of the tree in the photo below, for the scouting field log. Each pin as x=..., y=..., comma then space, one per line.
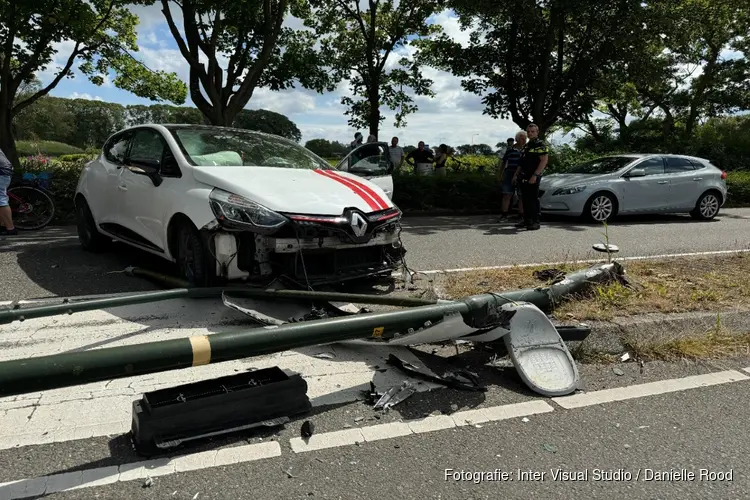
x=268, y=122
x=325, y=148
x=538, y=60
x=103, y=36
x=678, y=80
x=360, y=44
x=260, y=52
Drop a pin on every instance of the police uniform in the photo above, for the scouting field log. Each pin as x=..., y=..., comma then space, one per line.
x=531, y=156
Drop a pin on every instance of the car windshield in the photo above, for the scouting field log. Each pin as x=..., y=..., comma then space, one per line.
x=223, y=147
x=606, y=165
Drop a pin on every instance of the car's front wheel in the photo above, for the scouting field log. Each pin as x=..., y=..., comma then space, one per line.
x=707, y=207
x=91, y=239
x=192, y=256
x=601, y=207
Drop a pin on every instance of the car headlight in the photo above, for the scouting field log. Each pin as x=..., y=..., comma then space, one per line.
x=573, y=190
x=234, y=210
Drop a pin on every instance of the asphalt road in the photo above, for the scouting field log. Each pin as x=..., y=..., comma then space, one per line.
x=51, y=263
x=689, y=430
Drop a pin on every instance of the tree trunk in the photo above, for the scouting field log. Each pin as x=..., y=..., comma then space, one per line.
x=374, y=118
x=7, y=140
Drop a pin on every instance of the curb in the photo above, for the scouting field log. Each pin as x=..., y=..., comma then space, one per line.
x=606, y=336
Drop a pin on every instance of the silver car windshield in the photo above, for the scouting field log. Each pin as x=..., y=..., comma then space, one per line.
x=601, y=166
x=221, y=147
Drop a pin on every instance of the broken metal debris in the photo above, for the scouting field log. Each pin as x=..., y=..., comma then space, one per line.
x=395, y=395
x=458, y=379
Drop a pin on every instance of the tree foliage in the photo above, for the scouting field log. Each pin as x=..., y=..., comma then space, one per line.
x=101, y=37
x=538, y=60
x=360, y=39
x=326, y=149
x=249, y=37
x=87, y=123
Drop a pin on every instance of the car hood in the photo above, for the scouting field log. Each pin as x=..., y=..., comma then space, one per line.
x=321, y=192
x=557, y=181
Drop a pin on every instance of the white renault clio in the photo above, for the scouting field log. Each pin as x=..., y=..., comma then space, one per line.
x=230, y=204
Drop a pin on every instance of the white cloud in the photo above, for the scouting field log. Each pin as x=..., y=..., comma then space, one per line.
x=89, y=97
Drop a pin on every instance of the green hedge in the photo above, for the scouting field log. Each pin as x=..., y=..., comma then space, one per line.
x=456, y=192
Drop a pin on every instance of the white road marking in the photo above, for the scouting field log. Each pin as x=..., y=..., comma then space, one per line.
x=89, y=478
x=747, y=369
x=105, y=408
x=241, y=454
x=649, y=389
x=391, y=430
x=582, y=261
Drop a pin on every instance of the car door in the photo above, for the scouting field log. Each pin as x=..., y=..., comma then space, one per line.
x=102, y=192
x=649, y=192
x=373, y=162
x=685, y=182
x=146, y=199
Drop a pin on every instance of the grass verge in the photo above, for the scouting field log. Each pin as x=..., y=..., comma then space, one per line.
x=665, y=286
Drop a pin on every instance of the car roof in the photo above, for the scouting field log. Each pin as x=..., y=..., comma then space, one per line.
x=667, y=155
x=175, y=126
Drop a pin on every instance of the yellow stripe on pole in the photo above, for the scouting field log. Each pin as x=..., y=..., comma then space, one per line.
x=201, y=350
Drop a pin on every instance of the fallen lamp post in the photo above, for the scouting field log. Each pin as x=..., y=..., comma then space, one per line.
x=481, y=314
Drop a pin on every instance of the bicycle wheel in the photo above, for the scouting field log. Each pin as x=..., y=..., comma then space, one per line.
x=31, y=207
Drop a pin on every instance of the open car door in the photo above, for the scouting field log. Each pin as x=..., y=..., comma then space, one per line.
x=373, y=162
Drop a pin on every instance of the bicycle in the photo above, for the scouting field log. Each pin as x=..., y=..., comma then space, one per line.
x=31, y=204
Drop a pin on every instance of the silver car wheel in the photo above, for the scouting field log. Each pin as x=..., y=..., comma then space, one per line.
x=709, y=206
x=601, y=208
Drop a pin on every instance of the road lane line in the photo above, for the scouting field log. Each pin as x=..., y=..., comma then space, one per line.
x=90, y=478
x=747, y=369
x=649, y=389
x=391, y=430
x=582, y=261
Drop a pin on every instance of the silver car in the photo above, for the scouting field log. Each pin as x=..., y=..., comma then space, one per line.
x=636, y=184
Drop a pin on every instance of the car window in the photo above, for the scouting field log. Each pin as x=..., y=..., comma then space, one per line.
x=676, y=165
x=148, y=148
x=227, y=147
x=116, y=148
x=652, y=166
x=370, y=160
x=601, y=166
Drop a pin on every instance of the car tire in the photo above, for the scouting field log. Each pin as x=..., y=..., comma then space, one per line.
x=89, y=236
x=192, y=256
x=707, y=207
x=601, y=207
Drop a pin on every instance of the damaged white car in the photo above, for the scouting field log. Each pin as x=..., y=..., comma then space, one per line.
x=229, y=204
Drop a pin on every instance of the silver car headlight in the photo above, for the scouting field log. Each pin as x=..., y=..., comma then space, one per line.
x=564, y=191
x=234, y=210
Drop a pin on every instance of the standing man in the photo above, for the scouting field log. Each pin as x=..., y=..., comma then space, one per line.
x=534, y=158
x=396, y=153
x=422, y=159
x=6, y=216
x=508, y=169
x=357, y=141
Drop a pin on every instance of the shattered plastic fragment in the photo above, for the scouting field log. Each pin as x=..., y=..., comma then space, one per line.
x=307, y=429
x=148, y=482
x=325, y=355
x=618, y=371
x=395, y=395
x=524, y=419
x=625, y=357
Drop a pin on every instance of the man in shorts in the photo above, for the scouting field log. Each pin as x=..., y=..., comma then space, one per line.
x=509, y=166
x=6, y=217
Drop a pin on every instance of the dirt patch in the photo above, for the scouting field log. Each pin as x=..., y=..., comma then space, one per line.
x=660, y=286
x=717, y=343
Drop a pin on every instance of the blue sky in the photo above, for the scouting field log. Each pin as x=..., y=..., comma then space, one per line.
x=453, y=116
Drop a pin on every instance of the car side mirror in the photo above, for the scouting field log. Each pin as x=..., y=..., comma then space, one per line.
x=150, y=172
x=637, y=172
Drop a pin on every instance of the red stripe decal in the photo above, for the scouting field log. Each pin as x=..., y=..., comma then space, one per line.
x=367, y=189
x=356, y=189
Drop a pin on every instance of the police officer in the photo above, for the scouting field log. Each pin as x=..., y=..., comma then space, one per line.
x=534, y=158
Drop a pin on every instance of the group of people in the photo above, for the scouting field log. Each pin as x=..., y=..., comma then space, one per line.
x=423, y=159
x=520, y=170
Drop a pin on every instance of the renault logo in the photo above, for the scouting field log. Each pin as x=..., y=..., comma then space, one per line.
x=359, y=224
